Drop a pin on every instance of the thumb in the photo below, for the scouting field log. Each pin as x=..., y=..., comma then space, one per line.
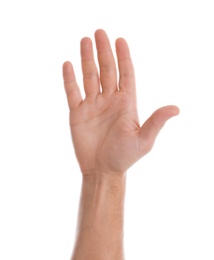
x=152, y=126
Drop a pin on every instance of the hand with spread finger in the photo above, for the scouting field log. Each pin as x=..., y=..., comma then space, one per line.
x=105, y=127
x=108, y=139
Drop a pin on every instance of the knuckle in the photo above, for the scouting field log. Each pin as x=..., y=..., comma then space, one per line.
x=107, y=69
x=89, y=76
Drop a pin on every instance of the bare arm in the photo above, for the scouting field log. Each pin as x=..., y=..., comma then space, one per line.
x=108, y=139
x=100, y=218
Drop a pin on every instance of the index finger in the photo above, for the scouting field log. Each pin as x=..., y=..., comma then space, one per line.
x=126, y=68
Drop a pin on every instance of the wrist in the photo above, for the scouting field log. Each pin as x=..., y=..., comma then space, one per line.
x=97, y=177
x=101, y=171
x=101, y=188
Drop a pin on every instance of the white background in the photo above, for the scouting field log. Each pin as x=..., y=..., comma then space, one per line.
x=170, y=196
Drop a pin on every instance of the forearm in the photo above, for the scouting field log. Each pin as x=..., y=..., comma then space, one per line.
x=100, y=218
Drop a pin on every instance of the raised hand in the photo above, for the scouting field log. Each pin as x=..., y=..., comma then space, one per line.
x=105, y=127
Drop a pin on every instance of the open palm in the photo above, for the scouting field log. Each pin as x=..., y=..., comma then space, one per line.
x=105, y=127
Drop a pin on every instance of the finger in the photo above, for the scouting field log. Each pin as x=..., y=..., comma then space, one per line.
x=154, y=124
x=126, y=68
x=108, y=73
x=71, y=88
x=89, y=69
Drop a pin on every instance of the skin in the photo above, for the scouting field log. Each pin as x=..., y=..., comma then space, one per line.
x=108, y=139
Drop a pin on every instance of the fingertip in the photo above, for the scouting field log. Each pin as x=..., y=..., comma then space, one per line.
x=99, y=31
x=120, y=40
x=174, y=110
x=122, y=48
x=66, y=68
x=67, y=64
x=121, y=43
x=163, y=114
x=100, y=35
x=177, y=110
x=85, y=41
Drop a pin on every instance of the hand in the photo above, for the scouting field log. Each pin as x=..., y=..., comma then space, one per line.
x=105, y=127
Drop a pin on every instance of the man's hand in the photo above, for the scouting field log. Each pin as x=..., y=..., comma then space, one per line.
x=105, y=127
